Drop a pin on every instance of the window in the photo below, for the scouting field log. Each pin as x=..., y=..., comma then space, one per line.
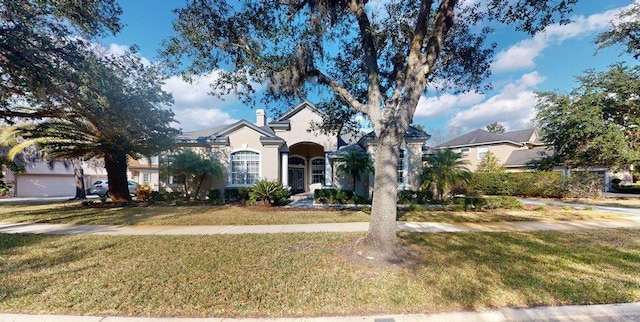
x=464, y=150
x=400, y=167
x=245, y=167
x=317, y=170
x=174, y=178
x=145, y=178
x=482, y=151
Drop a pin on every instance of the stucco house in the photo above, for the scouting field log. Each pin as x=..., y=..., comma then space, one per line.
x=40, y=179
x=516, y=151
x=286, y=150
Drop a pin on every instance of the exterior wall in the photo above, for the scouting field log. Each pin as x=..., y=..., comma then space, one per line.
x=248, y=139
x=300, y=123
x=501, y=151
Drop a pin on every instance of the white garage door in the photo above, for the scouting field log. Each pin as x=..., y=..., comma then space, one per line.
x=45, y=186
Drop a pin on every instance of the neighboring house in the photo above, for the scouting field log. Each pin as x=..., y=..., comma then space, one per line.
x=517, y=150
x=286, y=150
x=475, y=145
x=42, y=180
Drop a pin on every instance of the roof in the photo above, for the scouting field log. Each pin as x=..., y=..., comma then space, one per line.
x=524, y=157
x=483, y=137
x=412, y=134
x=219, y=134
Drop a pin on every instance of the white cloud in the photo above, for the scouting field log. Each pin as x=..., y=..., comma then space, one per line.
x=513, y=107
x=439, y=105
x=522, y=55
x=194, y=107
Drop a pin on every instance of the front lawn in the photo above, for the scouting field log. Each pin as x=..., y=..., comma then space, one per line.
x=75, y=213
x=311, y=275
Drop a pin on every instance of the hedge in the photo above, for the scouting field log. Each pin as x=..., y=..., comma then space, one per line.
x=536, y=184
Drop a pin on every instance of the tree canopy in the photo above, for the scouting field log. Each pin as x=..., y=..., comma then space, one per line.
x=624, y=31
x=119, y=110
x=193, y=168
x=490, y=163
x=444, y=168
x=495, y=127
x=42, y=49
x=377, y=58
x=596, y=123
x=354, y=164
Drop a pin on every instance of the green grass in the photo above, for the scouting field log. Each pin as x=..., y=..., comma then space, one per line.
x=74, y=213
x=487, y=216
x=310, y=275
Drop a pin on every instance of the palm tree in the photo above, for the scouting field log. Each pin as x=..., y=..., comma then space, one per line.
x=445, y=168
x=354, y=163
x=194, y=168
x=119, y=112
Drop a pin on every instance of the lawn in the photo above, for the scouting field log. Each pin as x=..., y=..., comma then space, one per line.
x=75, y=213
x=311, y=275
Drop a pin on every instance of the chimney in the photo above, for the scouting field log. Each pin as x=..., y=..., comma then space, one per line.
x=261, y=117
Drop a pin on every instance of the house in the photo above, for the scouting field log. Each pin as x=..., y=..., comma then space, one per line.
x=517, y=150
x=286, y=150
x=41, y=179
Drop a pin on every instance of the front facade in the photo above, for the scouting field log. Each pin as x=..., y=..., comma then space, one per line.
x=286, y=150
x=517, y=150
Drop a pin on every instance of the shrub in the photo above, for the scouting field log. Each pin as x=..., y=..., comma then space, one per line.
x=585, y=184
x=236, y=194
x=155, y=196
x=214, y=196
x=335, y=196
x=424, y=196
x=474, y=202
x=406, y=197
x=502, y=202
x=531, y=184
x=143, y=192
x=269, y=193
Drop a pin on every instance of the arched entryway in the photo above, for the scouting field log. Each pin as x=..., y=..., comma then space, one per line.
x=306, y=167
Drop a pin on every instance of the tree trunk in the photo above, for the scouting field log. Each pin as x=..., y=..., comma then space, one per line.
x=381, y=237
x=116, y=166
x=78, y=174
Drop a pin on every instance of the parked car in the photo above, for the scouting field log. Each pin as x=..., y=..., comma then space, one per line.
x=101, y=188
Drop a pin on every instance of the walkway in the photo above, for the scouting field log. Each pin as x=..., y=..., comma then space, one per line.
x=420, y=227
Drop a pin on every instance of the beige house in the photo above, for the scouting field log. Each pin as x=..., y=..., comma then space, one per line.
x=517, y=150
x=286, y=150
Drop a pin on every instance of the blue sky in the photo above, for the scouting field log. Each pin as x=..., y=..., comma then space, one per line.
x=522, y=65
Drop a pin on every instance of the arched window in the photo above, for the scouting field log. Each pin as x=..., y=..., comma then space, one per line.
x=245, y=167
x=317, y=170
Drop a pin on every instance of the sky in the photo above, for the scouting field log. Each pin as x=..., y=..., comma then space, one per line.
x=523, y=65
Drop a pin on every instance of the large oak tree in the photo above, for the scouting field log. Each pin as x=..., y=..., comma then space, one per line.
x=378, y=57
x=41, y=45
x=596, y=124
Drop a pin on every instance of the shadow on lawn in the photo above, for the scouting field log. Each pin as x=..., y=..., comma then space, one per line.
x=54, y=258
x=531, y=269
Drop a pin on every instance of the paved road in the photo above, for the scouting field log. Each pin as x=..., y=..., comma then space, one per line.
x=632, y=211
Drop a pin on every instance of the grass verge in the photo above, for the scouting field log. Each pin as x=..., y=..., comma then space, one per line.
x=74, y=213
x=310, y=275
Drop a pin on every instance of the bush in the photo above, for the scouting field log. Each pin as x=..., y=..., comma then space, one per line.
x=530, y=184
x=214, y=196
x=502, y=202
x=143, y=192
x=406, y=197
x=585, y=184
x=335, y=196
x=424, y=196
x=269, y=193
x=156, y=196
x=237, y=194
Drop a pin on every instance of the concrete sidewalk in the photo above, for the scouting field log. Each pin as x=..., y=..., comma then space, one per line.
x=605, y=312
x=420, y=227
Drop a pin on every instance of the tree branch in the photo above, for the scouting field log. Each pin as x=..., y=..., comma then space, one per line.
x=340, y=90
x=357, y=7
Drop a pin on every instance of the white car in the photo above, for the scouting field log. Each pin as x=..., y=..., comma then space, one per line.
x=101, y=188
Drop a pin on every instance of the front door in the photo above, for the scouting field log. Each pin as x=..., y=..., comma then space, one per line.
x=296, y=180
